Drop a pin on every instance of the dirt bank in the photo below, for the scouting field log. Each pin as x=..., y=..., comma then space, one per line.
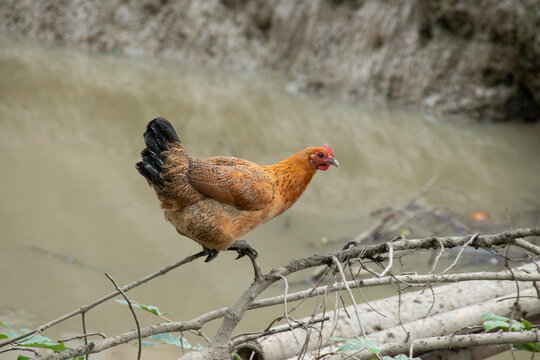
x=480, y=59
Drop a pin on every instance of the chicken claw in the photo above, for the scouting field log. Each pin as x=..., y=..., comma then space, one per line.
x=243, y=248
x=212, y=254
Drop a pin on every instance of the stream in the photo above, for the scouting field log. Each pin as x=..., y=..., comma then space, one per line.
x=73, y=206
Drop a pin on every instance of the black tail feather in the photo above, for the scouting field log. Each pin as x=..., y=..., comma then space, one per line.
x=158, y=136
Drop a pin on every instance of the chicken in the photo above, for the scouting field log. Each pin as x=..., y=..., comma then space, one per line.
x=216, y=200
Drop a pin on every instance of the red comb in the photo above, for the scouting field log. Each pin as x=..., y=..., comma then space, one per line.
x=329, y=149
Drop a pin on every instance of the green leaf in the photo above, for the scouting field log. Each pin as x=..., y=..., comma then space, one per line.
x=33, y=341
x=153, y=309
x=22, y=357
x=494, y=317
x=11, y=333
x=494, y=324
x=516, y=326
x=361, y=343
x=372, y=346
x=526, y=346
x=150, y=308
x=123, y=302
x=56, y=347
x=350, y=347
x=42, y=342
x=168, y=338
x=337, y=338
x=237, y=357
x=527, y=324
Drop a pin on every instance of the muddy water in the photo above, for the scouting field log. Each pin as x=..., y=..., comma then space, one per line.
x=73, y=207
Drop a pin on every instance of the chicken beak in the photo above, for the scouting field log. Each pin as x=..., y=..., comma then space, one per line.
x=333, y=161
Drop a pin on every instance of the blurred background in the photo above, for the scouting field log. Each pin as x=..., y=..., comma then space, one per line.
x=404, y=91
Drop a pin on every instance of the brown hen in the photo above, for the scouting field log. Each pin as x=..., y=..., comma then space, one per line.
x=216, y=200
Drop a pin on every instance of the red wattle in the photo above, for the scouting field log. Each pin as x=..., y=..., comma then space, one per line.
x=323, y=166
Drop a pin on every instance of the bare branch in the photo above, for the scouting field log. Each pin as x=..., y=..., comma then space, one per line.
x=390, y=260
x=457, y=341
x=83, y=319
x=19, y=348
x=234, y=313
x=102, y=335
x=95, y=347
x=437, y=257
x=527, y=246
x=473, y=237
x=409, y=279
x=245, y=338
x=285, y=311
x=344, y=281
x=87, y=307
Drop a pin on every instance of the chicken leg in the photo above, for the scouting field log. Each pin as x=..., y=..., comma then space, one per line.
x=243, y=248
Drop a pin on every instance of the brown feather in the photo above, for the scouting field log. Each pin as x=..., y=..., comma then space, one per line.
x=246, y=186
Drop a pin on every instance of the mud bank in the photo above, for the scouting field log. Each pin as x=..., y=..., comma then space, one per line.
x=477, y=59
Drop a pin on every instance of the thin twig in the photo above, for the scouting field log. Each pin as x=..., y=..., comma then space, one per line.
x=527, y=246
x=390, y=260
x=83, y=319
x=473, y=237
x=285, y=311
x=399, y=314
x=338, y=265
x=336, y=305
x=132, y=312
x=201, y=334
x=18, y=348
x=105, y=298
x=418, y=280
x=411, y=349
x=102, y=335
x=437, y=257
x=366, y=301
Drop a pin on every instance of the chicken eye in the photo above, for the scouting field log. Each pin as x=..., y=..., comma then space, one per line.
x=320, y=155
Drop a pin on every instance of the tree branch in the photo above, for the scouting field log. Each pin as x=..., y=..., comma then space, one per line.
x=234, y=313
x=419, y=280
x=87, y=307
x=456, y=341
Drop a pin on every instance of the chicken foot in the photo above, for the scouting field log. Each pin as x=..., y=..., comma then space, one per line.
x=243, y=248
x=211, y=254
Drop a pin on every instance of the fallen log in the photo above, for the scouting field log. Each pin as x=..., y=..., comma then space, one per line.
x=424, y=313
